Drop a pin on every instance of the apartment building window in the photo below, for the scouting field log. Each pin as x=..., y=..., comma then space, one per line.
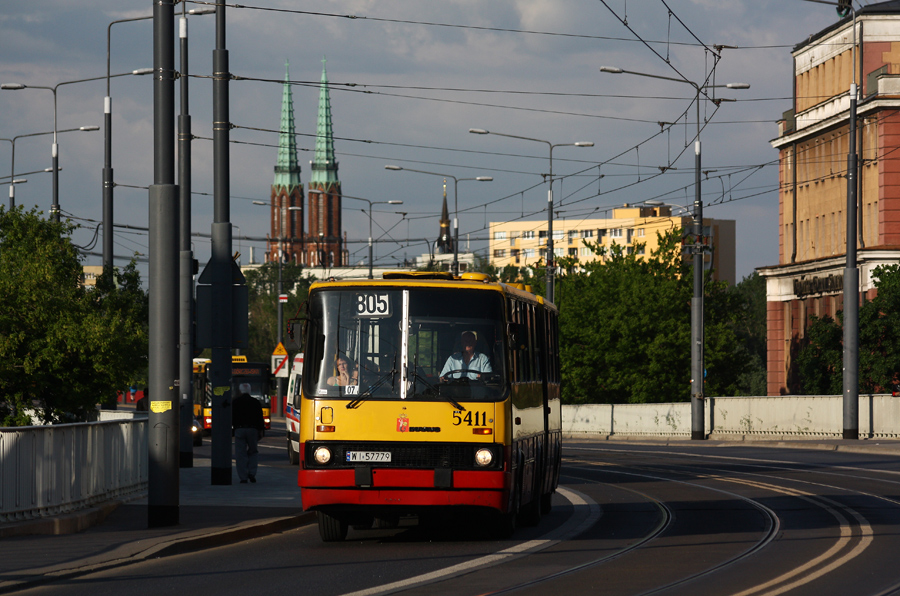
x=499, y=235
x=639, y=250
x=500, y=253
x=587, y=233
x=559, y=252
x=529, y=253
x=615, y=233
x=573, y=252
x=528, y=235
x=542, y=234
x=558, y=234
x=586, y=252
x=514, y=253
x=601, y=232
x=640, y=232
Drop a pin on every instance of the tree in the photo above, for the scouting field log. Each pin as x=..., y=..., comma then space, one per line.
x=748, y=320
x=262, y=285
x=820, y=357
x=63, y=347
x=625, y=327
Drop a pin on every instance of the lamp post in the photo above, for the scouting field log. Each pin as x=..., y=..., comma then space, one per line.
x=481, y=131
x=343, y=196
x=697, y=330
x=12, y=167
x=851, y=270
x=456, y=181
x=54, y=208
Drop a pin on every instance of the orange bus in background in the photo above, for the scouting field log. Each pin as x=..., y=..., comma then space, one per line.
x=242, y=371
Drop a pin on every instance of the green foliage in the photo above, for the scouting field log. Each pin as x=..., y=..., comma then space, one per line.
x=625, y=328
x=747, y=301
x=820, y=359
x=63, y=347
x=262, y=284
x=820, y=362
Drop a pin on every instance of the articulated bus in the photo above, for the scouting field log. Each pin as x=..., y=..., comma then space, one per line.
x=394, y=422
x=255, y=373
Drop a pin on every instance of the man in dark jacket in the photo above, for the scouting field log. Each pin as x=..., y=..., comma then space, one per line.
x=249, y=427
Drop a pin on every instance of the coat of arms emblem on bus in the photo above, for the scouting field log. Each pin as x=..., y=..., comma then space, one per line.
x=402, y=424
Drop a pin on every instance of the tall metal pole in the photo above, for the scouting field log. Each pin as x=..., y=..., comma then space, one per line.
x=697, y=369
x=279, y=385
x=370, y=239
x=54, y=152
x=12, y=176
x=221, y=264
x=108, y=183
x=162, y=497
x=185, y=259
x=549, y=278
x=851, y=276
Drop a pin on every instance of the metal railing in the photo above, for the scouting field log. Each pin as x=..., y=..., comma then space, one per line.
x=52, y=470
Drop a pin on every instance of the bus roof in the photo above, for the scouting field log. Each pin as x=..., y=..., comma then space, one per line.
x=437, y=279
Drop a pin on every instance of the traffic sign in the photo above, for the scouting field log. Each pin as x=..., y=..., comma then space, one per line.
x=278, y=366
x=282, y=298
x=279, y=350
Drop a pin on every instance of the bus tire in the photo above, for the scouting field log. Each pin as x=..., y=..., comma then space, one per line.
x=505, y=524
x=331, y=529
x=530, y=514
x=547, y=503
x=293, y=456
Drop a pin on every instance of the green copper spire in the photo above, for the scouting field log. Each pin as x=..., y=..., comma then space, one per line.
x=324, y=167
x=287, y=171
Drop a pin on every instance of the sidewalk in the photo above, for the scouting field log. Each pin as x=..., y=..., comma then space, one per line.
x=209, y=516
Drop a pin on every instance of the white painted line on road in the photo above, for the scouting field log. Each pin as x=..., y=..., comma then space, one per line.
x=586, y=513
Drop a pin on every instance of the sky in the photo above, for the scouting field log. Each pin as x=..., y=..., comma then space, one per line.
x=408, y=80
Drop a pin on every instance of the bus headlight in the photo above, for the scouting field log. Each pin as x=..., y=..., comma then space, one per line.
x=483, y=457
x=322, y=455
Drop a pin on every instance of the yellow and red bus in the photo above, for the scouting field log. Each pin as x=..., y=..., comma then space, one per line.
x=242, y=371
x=394, y=421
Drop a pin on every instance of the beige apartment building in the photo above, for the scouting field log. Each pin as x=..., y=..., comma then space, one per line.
x=813, y=145
x=524, y=243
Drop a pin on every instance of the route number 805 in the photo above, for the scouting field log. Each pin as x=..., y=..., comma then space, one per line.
x=373, y=305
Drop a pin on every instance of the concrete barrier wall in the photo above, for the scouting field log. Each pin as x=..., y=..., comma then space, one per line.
x=794, y=416
x=49, y=470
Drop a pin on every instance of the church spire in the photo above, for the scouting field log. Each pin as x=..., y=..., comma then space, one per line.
x=445, y=240
x=324, y=166
x=287, y=169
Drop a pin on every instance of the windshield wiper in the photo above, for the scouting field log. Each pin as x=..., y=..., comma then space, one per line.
x=436, y=391
x=368, y=392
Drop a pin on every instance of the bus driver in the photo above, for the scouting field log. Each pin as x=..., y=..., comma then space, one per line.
x=467, y=362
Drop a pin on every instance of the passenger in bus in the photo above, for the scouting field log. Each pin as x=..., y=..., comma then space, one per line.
x=345, y=372
x=467, y=362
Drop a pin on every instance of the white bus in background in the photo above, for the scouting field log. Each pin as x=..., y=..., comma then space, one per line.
x=292, y=409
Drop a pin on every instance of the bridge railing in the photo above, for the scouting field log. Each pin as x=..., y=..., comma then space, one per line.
x=51, y=470
x=765, y=417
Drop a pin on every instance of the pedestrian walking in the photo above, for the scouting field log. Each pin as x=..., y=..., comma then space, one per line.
x=249, y=428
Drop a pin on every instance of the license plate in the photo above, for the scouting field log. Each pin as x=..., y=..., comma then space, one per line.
x=375, y=456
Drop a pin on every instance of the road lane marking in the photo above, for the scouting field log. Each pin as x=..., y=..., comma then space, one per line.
x=586, y=513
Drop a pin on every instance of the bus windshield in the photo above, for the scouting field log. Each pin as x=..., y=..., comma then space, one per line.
x=418, y=343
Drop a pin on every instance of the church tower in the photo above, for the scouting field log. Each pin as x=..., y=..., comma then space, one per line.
x=286, y=211
x=325, y=246
x=444, y=244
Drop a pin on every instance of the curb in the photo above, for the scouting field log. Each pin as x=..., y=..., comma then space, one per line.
x=162, y=548
x=865, y=446
x=62, y=524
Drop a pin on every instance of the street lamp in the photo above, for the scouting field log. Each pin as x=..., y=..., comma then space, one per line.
x=54, y=208
x=12, y=167
x=456, y=181
x=481, y=131
x=697, y=330
x=317, y=191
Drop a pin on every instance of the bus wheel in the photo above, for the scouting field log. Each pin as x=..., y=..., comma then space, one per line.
x=331, y=529
x=505, y=524
x=293, y=456
x=547, y=503
x=530, y=514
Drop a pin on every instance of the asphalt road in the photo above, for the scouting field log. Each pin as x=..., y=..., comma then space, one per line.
x=629, y=519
